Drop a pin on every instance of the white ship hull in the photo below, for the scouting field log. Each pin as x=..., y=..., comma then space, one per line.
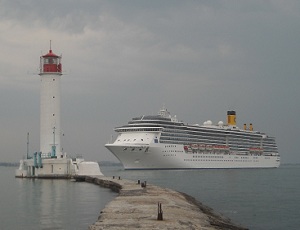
x=162, y=142
x=172, y=156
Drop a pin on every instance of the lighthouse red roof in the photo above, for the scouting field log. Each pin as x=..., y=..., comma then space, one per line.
x=50, y=54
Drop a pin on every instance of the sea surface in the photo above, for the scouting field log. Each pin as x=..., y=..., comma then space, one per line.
x=37, y=204
x=255, y=198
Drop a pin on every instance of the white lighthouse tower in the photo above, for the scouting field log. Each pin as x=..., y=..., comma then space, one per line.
x=50, y=130
x=49, y=162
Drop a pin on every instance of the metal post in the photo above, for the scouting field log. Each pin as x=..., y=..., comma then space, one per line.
x=159, y=212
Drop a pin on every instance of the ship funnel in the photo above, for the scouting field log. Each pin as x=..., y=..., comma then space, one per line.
x=231, y=118
x=251, y=127
x=245, y=127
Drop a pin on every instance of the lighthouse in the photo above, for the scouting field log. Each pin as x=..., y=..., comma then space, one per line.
x=49, y=161
x=50, y=130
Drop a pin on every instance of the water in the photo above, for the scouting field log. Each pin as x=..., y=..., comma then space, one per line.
x=49, y=204
x=259, y=199
x=255, y=198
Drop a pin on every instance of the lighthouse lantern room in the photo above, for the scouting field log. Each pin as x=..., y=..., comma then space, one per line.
x=50, y=62
x=50, y=131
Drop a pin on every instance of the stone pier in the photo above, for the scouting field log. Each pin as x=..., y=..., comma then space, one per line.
x=145, y=206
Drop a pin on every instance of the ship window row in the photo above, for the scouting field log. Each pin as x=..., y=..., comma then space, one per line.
x=247, y=146
x=269, y=143
x=209, y=141
x=244, y=137
x=271, y=149
x=215, y=133
x=181, y=126
x=199, y=132
x=272, y=153
x=257, y=143
x=239, y=142
x=138, y=127
x=191, y=140
x=241, y=149
x=213, y=142
x=215, y=137
x=172, y=151
x=155, y=118
x=170, y=146
x=130, y=140
x=220, y=141
x=194, y=139
x=200, y=156
x=270, y=146
x=244, y=140
x=169, y=155
x=158, y=121
x=245, y=161
x=139, y=130
x=182, y=142
x=233, y=148
x=190, y=136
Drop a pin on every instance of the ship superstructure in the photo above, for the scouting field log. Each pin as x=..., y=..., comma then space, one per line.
x=161, y=141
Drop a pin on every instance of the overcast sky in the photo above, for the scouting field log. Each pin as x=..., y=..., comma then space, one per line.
x=123, y=59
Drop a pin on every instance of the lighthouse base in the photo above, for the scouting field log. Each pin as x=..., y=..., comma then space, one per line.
x=57, y=168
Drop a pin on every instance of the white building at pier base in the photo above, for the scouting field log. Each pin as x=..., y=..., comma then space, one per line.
x=57, y=168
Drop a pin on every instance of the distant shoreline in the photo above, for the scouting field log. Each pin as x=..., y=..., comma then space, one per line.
x=108, y=163
x=8, y=164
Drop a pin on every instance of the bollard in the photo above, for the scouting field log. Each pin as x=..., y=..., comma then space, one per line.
x=113, y=177
x=119, y=178
x=139, y=181
x=144, y=184
x=159, y=212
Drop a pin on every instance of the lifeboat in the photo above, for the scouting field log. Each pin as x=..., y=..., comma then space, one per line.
x=194, y=146
x=221, y=147
x=209, y=147
x=202, y=147
x=256, y=150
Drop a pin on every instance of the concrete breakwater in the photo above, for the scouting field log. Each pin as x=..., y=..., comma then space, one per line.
x=146, y=206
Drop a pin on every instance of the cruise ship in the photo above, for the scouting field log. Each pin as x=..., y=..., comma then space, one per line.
x=162, y=142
